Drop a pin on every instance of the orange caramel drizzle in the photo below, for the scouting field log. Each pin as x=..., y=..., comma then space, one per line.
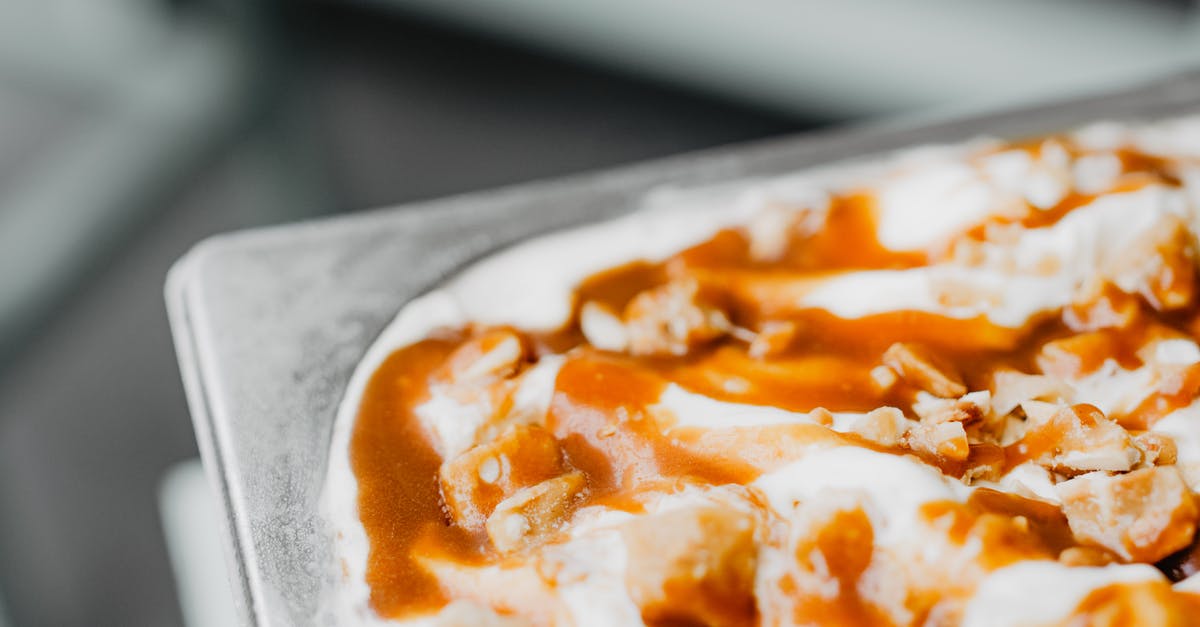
x=399, y=502
x=601, y=419
x=1144, y=603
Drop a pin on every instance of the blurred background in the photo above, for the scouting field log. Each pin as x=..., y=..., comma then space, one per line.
x=130, y=129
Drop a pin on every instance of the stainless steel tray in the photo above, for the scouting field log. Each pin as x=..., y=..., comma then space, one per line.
x=269, y=324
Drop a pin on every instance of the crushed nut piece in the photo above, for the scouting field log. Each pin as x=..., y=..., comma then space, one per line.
x=772, y=339
x=985, y=462
x=533, y=512
x=1144, y=515
x=602, y=327
x=1086, y=556
x=1011, y=388
x=821, y=416
x=1076, y=439
x=946, y=440
x=1072, y=357
x=884, y=426
x=1158, y=449
x=488, y=357
x=918, y=367
x=474, y=482
x=672, y=319
x=885, y=378
x=969, y=408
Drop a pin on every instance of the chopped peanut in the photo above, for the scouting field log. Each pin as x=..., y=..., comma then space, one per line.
x=603, y=328
x=474, y=482
x=1158, y=449
x=884, y=426
x=672, y=319
x=1011, y=388
x=821, y=416
x=489, y=357
x=985, y=462
x=945, y=440
x=1144, y=515
x=1076, y=439
x=1074, y=356
x=968, y=409
x=918, y=367
x=1086, y=556
x=884, y=378
x=773, y=338
x=693, y=566
x=533, y=512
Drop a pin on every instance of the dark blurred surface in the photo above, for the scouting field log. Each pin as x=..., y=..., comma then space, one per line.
x=407, y=110
x=361, y=109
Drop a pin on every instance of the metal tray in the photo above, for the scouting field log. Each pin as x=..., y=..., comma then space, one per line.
x=269, y=323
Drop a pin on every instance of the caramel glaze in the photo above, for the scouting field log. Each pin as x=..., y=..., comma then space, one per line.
x=846, y=544
x=1148, y=603
x=620, y=455
x=399, y=502
x=600, y=416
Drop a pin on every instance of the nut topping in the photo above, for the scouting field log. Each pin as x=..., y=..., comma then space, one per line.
x=492, y=356
x=1011, y=388
x=1143, y=516
x=884, y=426
x=474, y=482
x=773, y=338
x=673, y=319
x=603, y=328
x=917, y=366
x=945, y=440
x=1158, y=449
x=1076, y=439
x=532, y=513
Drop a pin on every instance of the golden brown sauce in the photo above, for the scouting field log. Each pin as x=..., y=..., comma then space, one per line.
x=1045, y=527
x=848, y=241
x=1173, y=393
x=1182, y=564
x=599, y=414
x=602, y=412
x=1148, y=603
x=844, y=547
x=398, y=499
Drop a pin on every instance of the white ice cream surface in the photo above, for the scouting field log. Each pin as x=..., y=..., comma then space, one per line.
x=893, y=487
x=1012, y=282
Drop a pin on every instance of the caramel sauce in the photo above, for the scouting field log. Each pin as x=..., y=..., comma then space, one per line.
x=398, y=499
x=1175, y=392
x=1143, y=603
x=1045, y=525
x=848, y=241
x=612, y=438
x=602, y=414
x=1183, y=563
x=845, y=546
